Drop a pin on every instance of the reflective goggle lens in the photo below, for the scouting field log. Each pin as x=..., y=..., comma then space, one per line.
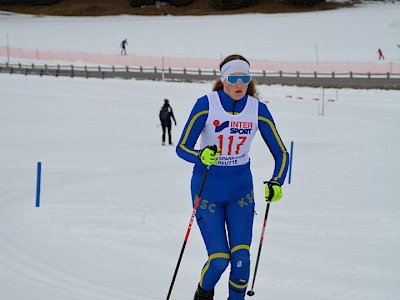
x=233, y=79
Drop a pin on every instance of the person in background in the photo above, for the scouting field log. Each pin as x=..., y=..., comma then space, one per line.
x=124, y=43
x=226, y=121
x=380, y=54
x=166, y=114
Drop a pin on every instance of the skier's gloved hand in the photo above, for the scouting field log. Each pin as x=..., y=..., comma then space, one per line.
x=209, y=155
x=273, y=191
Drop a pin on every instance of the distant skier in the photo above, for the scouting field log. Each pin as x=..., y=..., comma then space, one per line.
x=380, y=53
x=124, y=43
x=165, y=115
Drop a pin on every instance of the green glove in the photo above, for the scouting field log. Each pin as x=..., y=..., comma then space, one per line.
x=209, y=155
x=273, y=191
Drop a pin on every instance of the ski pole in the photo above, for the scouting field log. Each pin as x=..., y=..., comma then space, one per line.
x=251, y=292
x=196, y=205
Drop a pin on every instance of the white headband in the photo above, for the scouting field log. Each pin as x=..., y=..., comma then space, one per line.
x=234, y=66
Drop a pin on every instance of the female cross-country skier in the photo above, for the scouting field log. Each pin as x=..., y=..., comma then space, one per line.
x=227, y=120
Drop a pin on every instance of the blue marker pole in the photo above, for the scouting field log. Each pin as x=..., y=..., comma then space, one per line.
x=290, y=162
x=38, y=177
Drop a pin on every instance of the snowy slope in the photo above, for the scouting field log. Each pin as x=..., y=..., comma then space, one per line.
x=353, y=34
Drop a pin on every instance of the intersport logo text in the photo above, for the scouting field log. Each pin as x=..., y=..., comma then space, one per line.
x=235, y=127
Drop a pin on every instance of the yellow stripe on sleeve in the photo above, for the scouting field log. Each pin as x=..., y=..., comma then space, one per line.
x=189, y=127
x=280, y=143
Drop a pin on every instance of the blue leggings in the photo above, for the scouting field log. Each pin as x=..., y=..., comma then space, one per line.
x=225, y=218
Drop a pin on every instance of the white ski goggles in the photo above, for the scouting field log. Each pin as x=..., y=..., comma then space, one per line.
x=234, y=79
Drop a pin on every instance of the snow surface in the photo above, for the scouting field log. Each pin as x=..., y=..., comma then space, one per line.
x=115, y=204
x=352, y=34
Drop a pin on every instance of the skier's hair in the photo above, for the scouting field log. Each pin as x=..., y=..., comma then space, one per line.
x=251, y=89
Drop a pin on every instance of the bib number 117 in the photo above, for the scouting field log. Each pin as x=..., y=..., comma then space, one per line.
x=233, y=143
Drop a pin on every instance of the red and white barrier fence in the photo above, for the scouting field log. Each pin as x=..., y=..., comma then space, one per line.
x=198, y=63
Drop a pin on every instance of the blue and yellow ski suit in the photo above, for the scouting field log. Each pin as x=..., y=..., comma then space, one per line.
x=226, y=210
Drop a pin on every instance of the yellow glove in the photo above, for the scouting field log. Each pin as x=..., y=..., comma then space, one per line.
x=273, y=191
x=209, y=155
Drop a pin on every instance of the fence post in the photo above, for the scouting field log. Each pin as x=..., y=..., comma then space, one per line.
x=38, y=181
x=127, y=76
